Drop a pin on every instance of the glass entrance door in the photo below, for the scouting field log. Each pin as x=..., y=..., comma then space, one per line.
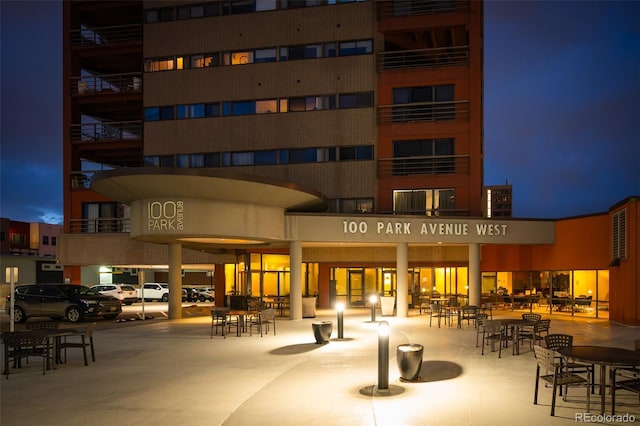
x=356, y=288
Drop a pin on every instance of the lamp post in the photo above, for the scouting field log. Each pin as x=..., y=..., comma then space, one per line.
x=383, y=355
x=373, y=299
x=340, y=311
x=11, y=275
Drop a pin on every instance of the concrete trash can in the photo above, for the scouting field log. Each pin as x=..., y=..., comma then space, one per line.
x=386, y=305
x=409, y=359
x=322, y=331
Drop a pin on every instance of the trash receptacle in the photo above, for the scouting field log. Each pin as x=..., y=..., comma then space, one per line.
x=322, y=331
x=409, y=359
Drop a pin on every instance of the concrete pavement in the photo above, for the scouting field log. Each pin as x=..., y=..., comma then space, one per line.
x=170, y=372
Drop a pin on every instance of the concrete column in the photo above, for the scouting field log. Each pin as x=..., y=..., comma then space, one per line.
x=475, y=281
x=295, y=265
x=175, y=281
x=402, y=287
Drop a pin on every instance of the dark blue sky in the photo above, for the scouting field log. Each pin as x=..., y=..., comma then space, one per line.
x=562, y=106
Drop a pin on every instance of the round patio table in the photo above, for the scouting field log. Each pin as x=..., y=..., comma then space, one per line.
x=603, y=356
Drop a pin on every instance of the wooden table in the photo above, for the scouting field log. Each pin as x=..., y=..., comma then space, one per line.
x=604, y=356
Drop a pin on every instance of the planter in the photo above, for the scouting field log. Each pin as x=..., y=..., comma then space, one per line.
x=409, y=359
x=309, y=307
x=386, y=305
x=322, y=331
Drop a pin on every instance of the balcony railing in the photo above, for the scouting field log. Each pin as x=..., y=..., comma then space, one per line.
x=423, y=111
x=423, y=58
x=106, y=35
x=106, y=84
x=99, y=226
x=398, y=8
x=423, y=165
x=109, y=131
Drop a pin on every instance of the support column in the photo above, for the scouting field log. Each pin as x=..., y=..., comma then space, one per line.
x=295, y=295
x=402, y=287
x=475, y=282
x=175, y=281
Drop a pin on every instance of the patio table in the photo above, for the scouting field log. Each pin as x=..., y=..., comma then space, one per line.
x=604, y=356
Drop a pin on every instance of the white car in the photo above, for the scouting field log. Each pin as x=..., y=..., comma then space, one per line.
x=154, y=291
x=125, y=293
x=206, y=294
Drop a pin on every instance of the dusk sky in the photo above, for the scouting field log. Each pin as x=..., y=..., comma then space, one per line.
x=562, y=106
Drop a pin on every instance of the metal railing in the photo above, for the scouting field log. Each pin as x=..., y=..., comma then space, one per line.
x=399, y=8
x=108, y=131
x=100, y=226
x=423, y=58
x=423, y=111
x=424, y=165
x=106, y=35
x=106, y=84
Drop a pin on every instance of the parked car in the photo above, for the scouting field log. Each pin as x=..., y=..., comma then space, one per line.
x=154, y=291
x=125, y=293
x=206, y=294
x=190, y=294
x=73, y=302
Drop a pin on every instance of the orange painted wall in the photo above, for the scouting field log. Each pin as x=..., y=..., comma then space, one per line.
x=583, y=243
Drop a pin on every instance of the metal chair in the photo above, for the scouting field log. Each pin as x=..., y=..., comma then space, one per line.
x=436, y=311
x=558, y=341
x=219, y=320
x=468, y=313
x=493, y=332
x=547, y=361
x=264, y=320
x=25, y=344
x=480, y=319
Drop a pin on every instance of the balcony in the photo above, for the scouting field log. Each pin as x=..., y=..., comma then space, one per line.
x=424, y=165
x=423, y=58
x=417, y=112
x=106, y=131
x=106, y=84
x=399, y=8
x=99, y=226
x=105, y=36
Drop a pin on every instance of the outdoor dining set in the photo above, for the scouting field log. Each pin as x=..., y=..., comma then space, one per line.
x=49, y=342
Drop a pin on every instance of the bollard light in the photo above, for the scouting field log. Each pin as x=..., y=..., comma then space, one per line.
x=373, y=300
x=340, y=311
x=11, y=274
x=383, y=355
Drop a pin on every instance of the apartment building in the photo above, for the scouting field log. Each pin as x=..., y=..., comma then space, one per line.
x=280, y=147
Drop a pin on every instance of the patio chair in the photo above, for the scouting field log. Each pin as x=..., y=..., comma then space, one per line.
x=25, y=344
x=628, y=384
x=436, y=311
x=264, y=320
x=531, y=317
x=546, y=360
x=42, y=325
x=219, y=321
x=493, y=332
x=480, y=318
x=534, y=334
x=468, y=313
x=558, y=341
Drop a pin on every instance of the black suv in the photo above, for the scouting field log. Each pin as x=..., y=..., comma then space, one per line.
x=73, y=302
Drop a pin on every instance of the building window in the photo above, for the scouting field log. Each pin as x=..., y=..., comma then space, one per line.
x=429, y=202
x=363, y=152
x=104, y=217
x=619, y=235
x=355, y=205
x=423, y=157
x=424, y=103
x=45, y=240
x=54, y=241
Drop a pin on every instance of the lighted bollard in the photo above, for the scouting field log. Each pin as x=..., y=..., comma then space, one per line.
x=383, y=355
x=373, y=300
x=340, y=311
